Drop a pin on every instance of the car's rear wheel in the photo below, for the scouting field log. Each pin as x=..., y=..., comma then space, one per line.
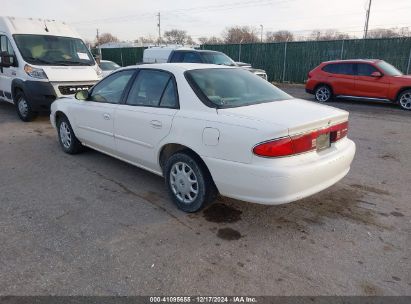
x=323, y=93
x=23, y=107
x=68, y=140
x=189, y=184
x=404, y=100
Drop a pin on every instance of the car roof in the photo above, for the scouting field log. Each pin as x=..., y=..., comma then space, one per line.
x=353, y=60
x=179, y=67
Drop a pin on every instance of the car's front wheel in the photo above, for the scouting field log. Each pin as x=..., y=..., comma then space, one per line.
x=189, y=184
x=404, y=100
x=23, y=107
x=68, y=140
x=323, y=93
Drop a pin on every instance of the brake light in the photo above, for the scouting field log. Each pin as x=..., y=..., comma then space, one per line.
x=301, y=143
x=309, y=75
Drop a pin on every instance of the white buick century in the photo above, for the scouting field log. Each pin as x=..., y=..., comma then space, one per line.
x=209, y=129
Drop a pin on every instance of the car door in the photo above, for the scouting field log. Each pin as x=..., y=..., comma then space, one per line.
x=146, y=117
x=367, y=85
x=7, y=74
x=94, y=117
x=341, y=76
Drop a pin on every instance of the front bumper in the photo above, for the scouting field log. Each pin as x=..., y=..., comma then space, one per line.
x=282, y=180
x=39, y=94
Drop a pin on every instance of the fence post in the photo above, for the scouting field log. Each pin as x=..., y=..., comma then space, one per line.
x=285, y=59
x=409, y=63
x=121, y=57
x=342, y=50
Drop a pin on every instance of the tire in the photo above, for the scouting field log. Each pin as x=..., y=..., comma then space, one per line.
x=323, y=93
x=404, y=100
x=23, y=107
x=189, y=184
x=67, y=139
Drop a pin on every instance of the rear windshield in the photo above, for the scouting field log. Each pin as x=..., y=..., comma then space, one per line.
x=228, y=88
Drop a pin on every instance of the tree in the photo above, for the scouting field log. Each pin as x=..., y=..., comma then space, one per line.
x=210, y=40
x=318, y=35
x=394, y=32
x=240, y=34
x=279, y=36
x=106, y=38
x=176, y=36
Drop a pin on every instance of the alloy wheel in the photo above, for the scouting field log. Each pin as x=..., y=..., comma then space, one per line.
x=323, y=94
x=65, y=135
x=405, y=101
x=184, y=182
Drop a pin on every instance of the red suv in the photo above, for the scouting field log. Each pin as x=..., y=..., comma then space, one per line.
x=360, y=79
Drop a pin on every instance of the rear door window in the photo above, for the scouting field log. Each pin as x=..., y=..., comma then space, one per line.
x=340, y=68
x=192, y=57
x=153, y=88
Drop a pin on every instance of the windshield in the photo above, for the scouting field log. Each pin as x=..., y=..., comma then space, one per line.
x=228, y=88
x=388, y=69
x=217, y=58
x=109, y=66
x=53, y=50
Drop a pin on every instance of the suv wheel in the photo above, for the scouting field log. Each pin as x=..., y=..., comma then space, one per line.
x=189, y=185
x=323, y=93
x=404, y=100
x=68, y=141
x=23, y=108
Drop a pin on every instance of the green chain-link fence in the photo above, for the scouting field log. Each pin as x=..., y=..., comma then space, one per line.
x=293, y=60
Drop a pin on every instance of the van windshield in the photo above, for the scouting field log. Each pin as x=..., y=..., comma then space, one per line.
x=53, y=50
x=232, y=87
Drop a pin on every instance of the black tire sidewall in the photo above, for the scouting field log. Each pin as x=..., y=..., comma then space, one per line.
x=399, y=98
x=320, y=87
x=203, y=187
x=30, y=114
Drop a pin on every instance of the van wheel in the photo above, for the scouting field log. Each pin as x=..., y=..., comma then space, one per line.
x=404, y=100
x=68, y=141
x=189, y=185
x=323, y=93
x=23, y=108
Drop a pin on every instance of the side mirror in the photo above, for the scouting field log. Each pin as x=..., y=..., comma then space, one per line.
x=6, y=60
x=82, y=95
x=376, y=74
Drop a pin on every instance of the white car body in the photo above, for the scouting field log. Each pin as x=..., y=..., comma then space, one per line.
x=223, y=138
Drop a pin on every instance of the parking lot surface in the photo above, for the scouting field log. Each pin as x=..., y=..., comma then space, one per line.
x=92, y=225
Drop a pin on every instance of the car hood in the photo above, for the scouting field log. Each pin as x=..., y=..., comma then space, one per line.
x=296, y=115
x=70, y=73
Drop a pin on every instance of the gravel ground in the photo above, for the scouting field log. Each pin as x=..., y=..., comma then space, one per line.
x=92, y=225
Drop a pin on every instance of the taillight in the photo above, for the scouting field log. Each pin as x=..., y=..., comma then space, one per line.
x=309, y=75
x=302, y=143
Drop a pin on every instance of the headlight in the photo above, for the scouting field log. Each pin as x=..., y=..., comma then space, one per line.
x=35, y=72
x=99, y=71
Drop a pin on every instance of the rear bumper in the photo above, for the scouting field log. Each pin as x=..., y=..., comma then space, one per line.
x=309, y=91
x=282, y=180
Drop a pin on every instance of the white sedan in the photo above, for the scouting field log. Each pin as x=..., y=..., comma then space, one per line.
x=207, y=130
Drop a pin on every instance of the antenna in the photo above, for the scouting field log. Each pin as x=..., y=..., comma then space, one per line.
x=45, y=26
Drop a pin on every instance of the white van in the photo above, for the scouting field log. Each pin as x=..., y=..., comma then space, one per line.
x=40, y=61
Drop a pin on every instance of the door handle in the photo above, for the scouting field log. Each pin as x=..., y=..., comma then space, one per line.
x=156, y=124
x=106, y=116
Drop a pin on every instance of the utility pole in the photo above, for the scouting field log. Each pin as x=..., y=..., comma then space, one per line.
x=98, y=43
x=159, y=28
x=262, y=30
x=367, y=18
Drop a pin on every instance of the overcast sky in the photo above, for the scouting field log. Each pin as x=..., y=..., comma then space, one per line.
x=130, y=19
